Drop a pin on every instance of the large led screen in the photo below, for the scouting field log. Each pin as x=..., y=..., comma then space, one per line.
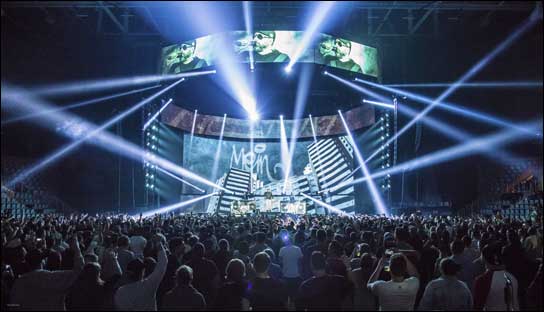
x=269, y=47
x=255, y=169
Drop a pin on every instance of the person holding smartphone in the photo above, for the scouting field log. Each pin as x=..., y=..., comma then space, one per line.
x=400, y=292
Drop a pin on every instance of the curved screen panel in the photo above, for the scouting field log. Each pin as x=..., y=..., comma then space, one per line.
x=269, y=47
x=357, y=118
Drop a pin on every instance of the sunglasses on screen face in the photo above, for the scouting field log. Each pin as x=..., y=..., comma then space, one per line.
x=342, y=43
x=185, y=47
x=261, y=36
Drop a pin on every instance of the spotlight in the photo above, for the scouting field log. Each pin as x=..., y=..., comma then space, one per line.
x=325, y=72
x=526, y=25
x=316, y=21
x=76, y=105
x=156, y=114
x=254, y=116
x=287, y=69
x=325, y=205
x=181, y=180
x=379, y=104
x=178, y=205
x=376, y=198
x=458, y=151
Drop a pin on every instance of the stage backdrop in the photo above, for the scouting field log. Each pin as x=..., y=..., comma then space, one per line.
x=269, y=46
x=258, y=168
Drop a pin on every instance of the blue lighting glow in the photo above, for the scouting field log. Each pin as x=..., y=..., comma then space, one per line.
x=148, y=123
x=376, y=197
x=316, y=21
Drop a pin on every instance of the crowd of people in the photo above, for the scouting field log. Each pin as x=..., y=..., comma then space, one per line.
x=261, y=262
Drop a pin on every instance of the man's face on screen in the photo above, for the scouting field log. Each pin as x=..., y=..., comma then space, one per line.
x=342, y=47
x=187, y=52
x=172, y=58
x=262, y=41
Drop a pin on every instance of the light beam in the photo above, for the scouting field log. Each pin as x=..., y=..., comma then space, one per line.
x=148, y=123
x=249, y=29
x=284, y=153
x=318, y=18
x=526, y=25
x=481, y=84
x=386, y=105
x=454, y=108
x=27, y=103
x=325, y=205
x=80, y=87
x=169, y=208
x=461, y=150
x=181, y=180
x=76, y=105
x=376, y=197
x=218, y=150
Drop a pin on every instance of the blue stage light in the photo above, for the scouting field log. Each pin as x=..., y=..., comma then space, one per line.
x=28, y=103
x=173, y=207
x=215, y=165
x=325, y=205
x=454, y=108
x=482, y=84
x=38, y=166
x=81, y=87
x=76, y=105
x=458, y=151
x=525, y=26
x=181, y=180
x=148, y=123
x=312, y=28
x=376, y=197
x=386, y=105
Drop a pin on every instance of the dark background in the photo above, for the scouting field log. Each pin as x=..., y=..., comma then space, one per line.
x=63, y=44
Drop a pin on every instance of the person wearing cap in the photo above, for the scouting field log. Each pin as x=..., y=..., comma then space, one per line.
x=183, y=58
x=41, y=289
x=447, y=292
x=263, y=42
x=340, y=57
x=140, y=293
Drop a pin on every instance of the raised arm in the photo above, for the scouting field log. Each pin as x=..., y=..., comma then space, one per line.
x=410, y=267
x=376, y=273
x=156, y=277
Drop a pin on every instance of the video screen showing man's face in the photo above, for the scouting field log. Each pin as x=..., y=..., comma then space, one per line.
x=172, y=58
x=342, y=48
x=187, y=51
x=326, y=48
x=263, y=41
